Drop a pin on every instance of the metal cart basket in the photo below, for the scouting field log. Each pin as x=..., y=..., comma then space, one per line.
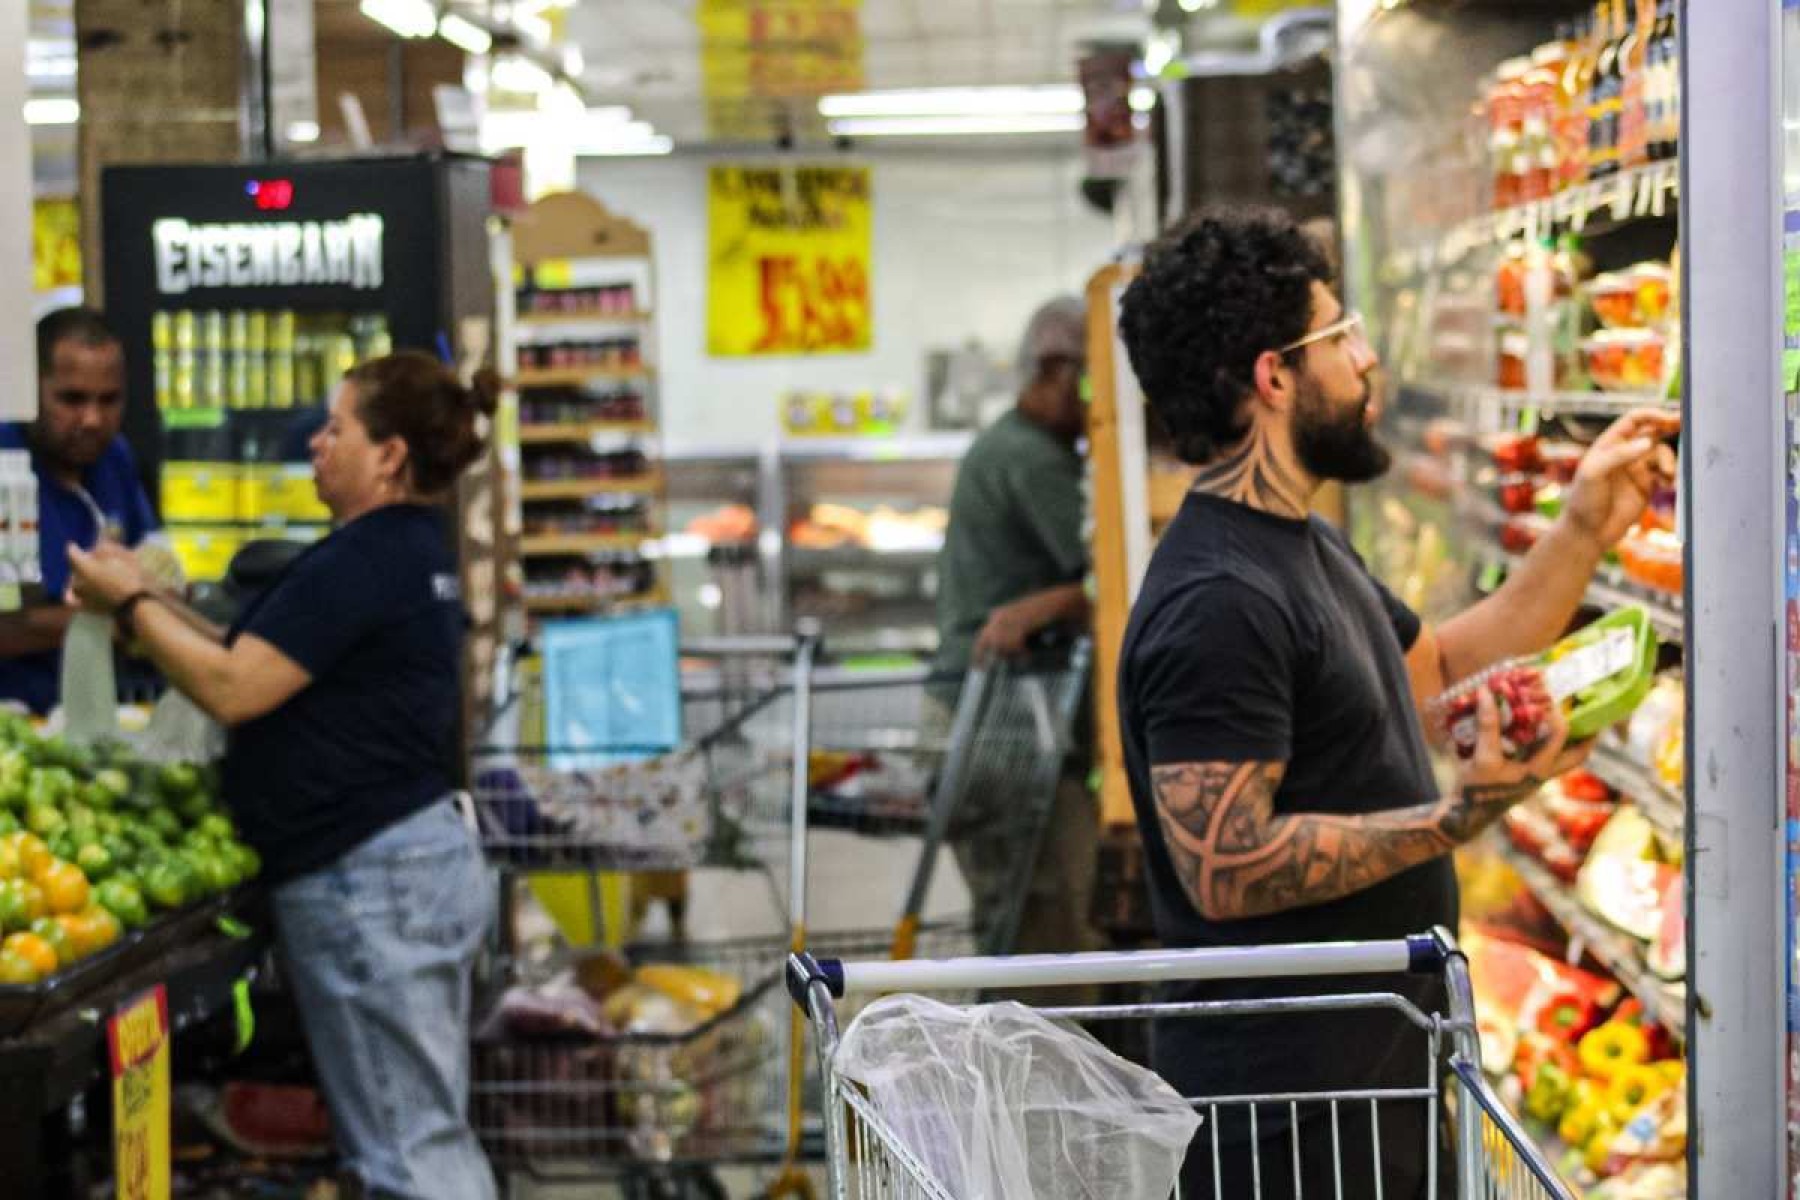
x=1494, y=1158
x=785, y=743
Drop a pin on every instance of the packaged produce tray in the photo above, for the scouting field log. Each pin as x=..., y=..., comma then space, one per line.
x=22, y=1004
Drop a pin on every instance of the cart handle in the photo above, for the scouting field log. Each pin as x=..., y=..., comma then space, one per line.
x=1420, y=954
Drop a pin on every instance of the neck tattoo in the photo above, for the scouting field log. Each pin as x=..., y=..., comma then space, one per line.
x=1251, y=474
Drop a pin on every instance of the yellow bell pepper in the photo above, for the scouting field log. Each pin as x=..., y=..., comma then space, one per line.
x=1607, y=1049
x=1633, y=1087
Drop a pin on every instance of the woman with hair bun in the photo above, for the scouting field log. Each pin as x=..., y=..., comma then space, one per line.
x=339, y=687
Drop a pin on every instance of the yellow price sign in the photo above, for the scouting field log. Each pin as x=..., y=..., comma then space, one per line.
x=137, y=1039
x=788, y=269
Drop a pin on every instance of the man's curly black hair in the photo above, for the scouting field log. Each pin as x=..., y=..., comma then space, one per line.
x=1214, y=293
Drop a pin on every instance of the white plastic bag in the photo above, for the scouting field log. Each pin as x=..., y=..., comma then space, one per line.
x=89, y=687
x=1002, y=1104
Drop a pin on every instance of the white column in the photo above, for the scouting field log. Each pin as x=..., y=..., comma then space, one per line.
x=18, y=373
x=1733, y=478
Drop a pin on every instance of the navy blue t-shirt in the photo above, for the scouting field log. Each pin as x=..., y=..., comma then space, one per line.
x=373, y=614
x=65, y=517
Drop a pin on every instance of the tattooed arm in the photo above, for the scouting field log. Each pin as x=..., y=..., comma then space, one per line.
x=1238, y=857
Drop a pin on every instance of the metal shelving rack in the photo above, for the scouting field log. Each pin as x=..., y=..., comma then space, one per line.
x=566, y=244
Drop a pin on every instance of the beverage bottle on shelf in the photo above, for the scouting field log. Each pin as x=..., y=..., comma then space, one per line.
x=1581, y=98
x=256, y=359
x=1537, y=141
x=1666, y=37
x=237, y=359
x=1603, y=97
x=162, y=352
x=212, y=359
x=1634, y=136
x=1506, y=139
x=186, y=330
x=282, y=335
x=1570, y=129
x=1655, y=98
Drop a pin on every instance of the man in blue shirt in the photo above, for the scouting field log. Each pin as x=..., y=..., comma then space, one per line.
x=88, y=486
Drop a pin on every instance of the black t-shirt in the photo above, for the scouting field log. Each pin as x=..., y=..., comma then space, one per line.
x=1257, y=638
x=372, y=613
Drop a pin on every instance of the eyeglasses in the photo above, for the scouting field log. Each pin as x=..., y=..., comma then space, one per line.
x=1349, y=325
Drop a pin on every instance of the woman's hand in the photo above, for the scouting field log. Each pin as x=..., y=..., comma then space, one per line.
x=100, y=579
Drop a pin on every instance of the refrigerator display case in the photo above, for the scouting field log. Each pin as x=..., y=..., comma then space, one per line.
x=846, y=530
x=1555, y=213
x=242, y=294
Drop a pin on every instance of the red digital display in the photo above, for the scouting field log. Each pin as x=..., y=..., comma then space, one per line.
x=270, y=195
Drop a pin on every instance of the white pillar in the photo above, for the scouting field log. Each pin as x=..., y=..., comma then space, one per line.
x=1732, y=459
x=18, y=373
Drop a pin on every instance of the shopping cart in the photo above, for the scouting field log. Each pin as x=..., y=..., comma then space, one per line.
x=788, y=744
x=1495, y=1158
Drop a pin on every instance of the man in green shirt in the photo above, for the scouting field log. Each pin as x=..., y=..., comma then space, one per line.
x=1013, y=564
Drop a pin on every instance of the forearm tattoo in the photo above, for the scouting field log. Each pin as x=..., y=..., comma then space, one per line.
x=1237, y=858
x=1252, y=474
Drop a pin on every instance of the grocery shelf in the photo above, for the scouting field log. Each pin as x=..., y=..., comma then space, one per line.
x=576, y=489
x=1612, y=588
x=594, y=602
x=828, y=558
x=546, y=545
x=1499, y=402
x=578, y=431
x=1620, y=953
x=1661, y=805
x=1641, y=193
x=901, y=447
x=545, y=377
x=559, y=320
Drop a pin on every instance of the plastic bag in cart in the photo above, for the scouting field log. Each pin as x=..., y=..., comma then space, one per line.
x=1003, y=1104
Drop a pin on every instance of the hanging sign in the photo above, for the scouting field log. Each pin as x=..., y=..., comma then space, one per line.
x=137, y=1039
x=752, y=51
x=788, y=261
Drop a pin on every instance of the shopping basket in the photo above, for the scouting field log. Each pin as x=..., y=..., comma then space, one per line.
x=1495, y=1159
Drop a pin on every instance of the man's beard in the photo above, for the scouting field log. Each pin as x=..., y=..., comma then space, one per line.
x=1336, y=445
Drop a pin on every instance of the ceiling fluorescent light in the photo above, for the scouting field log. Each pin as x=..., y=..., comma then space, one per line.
x=534, y=28
x=967, y=125
x=515, y=73
x=1044, y=100
x=405, y=18
x=650, y=147
x=1159, y=52
x=464, y=34
x=52, y=111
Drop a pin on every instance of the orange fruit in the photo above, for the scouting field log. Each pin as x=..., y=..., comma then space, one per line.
x=31, y=850
x=34, y=950
x=9, y=859
x=35, y=904
x=104, y=928
x=65, y=887
x=78, y=934
x=16, y=970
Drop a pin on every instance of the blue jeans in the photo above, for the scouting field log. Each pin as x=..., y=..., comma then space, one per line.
x=378, y=948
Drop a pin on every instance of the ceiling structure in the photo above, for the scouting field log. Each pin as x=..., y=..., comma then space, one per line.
x=665, y=61
x=748, y=72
